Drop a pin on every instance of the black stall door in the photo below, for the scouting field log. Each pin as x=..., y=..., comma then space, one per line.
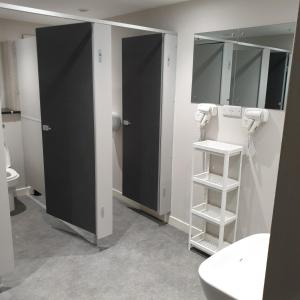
x=66, y=92
x=142, y=79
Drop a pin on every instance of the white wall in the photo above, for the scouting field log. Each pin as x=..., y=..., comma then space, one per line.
x=10, y=31
x=31, y=113
x=258, y=189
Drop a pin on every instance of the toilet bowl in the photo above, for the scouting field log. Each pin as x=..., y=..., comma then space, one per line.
x=237, y=271
x=12, y=177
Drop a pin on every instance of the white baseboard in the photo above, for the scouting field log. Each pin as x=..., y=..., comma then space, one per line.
x=179, y=224
x=24, y=191
x=173, y=221
x=42, y=205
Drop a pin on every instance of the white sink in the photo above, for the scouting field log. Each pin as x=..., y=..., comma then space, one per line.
x=237, y=271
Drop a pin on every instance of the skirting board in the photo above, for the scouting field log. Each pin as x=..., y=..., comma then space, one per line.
x=179, y=224
x=173, y=221
x=24, y=191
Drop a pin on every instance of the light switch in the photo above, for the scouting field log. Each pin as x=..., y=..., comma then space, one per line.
x=232, y=111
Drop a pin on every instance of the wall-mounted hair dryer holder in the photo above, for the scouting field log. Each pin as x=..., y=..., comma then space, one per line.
x=204, y=113
x=254, y=117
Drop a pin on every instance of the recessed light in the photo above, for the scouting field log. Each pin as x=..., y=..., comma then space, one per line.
x=83, y=9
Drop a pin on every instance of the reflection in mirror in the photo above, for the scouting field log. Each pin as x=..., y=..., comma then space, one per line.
x=247, y=67
x=207, y=72
x=277, y=80
x=245, y=79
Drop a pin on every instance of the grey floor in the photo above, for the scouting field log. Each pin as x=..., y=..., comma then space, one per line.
x=146, y=260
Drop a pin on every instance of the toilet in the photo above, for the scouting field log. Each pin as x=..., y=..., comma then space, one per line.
x=12, y=177
x=237, y=271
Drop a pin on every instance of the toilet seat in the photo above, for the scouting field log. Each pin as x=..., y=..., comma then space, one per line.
x=11, y=175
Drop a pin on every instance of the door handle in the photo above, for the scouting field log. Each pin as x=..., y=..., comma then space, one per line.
x=46, y=128
x=126, y=123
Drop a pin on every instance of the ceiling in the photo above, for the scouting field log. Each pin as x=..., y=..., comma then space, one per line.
x=101, y=9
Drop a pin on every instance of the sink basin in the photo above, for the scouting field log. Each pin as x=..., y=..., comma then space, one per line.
x=237, y=271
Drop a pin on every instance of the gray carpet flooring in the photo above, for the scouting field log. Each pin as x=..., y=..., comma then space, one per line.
x=146, y=260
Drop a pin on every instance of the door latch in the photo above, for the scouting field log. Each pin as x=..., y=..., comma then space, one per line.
x=126, y=123
x=46, y=128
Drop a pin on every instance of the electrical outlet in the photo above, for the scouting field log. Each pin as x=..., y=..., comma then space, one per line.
x=232, y=111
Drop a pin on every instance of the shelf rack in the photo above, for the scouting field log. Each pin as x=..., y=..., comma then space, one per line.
x=207, y=212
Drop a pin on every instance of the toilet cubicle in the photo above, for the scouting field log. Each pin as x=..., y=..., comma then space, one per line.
x=99, y=200
x=148, y=106
x=75, y=80
x=75, y=95
x=75, y=89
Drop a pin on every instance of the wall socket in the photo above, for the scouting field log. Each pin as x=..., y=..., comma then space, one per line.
x=232, y=111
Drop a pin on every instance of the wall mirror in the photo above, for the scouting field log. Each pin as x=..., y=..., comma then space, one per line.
x=248, y=67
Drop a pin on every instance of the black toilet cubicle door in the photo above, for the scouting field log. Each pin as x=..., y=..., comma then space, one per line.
x=66, y=94
x=142, y=79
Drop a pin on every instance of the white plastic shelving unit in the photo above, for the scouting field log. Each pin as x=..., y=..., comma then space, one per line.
x=218, y=215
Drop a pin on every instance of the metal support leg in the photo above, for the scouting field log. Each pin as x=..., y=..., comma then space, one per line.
x=191, y=203
x=223, y=202
x=238, y=196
